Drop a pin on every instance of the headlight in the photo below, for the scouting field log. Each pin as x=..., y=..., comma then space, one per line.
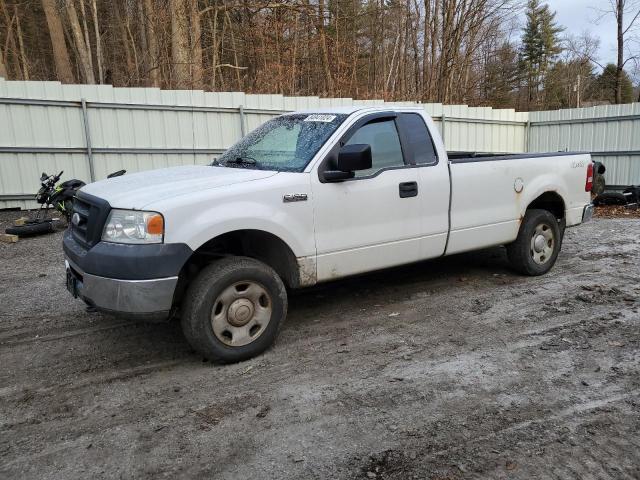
x=133, y=226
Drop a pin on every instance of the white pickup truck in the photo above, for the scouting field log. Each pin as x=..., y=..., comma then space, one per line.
x=305, y=198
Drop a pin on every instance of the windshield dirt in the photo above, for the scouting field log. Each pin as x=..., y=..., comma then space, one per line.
x=286, y=143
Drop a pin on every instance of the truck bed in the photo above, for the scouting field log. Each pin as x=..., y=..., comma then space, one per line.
x=489, y=195
x=466, y=157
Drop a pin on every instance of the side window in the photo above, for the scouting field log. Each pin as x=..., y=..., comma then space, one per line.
x=419, y=140
x=385, y=145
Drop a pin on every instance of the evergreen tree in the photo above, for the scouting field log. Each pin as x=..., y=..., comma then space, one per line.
x=561, y=86
x=501, y=77
x=540, y=45
x=604, y=88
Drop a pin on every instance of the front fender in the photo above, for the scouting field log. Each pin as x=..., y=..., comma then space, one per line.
x=258, y=205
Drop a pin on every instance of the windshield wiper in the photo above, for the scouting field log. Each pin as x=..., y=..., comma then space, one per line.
x=241, y=161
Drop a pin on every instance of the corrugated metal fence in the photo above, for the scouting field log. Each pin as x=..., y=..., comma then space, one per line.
x=89, y=131
x=611, y=133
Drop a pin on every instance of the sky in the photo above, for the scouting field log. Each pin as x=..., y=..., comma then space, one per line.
x=580, y=15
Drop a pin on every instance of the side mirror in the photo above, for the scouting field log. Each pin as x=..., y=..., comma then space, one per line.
x=350, y=159
x=43, y=177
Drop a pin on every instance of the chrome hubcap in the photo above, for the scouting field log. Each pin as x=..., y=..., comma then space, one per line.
x=542, y=244
x=241, y=313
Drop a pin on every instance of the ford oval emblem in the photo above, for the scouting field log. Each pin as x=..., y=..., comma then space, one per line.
x=75, y=219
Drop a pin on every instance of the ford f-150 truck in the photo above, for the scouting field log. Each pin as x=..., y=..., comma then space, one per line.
x=308, y=197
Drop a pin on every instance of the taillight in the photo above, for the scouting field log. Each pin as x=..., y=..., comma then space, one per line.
x=589, y=184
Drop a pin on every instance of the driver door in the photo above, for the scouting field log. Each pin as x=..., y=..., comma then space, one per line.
x=373, y=220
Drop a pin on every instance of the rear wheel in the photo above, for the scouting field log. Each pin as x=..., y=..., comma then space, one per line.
x=234, y=309
x=537, y=246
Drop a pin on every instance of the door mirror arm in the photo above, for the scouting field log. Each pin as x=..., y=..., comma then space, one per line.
x=333, y=176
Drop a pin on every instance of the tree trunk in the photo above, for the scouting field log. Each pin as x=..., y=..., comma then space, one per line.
x=180, y=44
x=152, y=41
x=425, y=50
x=64, y=72
x=133, y=49
x=620, y=64
x=10, y=42
x=292, y=88
x=213, y=26
x=196, y=46
x=435, y=39
x=325, y=52
x=84, y=55
x=96, y=29
x=235, y=52
x=121, y=22
x=23, y=55
x=3, y=67
x=85, y=30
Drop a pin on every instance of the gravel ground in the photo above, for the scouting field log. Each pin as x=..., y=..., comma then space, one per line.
x=448, y=369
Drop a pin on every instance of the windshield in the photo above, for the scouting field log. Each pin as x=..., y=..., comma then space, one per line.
x=286, y=143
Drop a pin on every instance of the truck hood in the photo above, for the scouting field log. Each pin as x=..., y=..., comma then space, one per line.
x=140, y=189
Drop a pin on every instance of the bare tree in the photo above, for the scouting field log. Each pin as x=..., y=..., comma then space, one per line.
x=3, y=67
x=23, y=55
x=63, y=69
x=180, y=57
x=152, y=43
x=96, y=30
x=433, y=50
x=82, y=49
x=323, y=46
x=620, y=9
x=196, y=46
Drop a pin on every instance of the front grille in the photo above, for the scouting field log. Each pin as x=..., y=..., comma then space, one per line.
x=92, y=212
x=79, y=228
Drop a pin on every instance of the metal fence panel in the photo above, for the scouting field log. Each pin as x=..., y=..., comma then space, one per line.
x=46, y=126
x=610, y=132
x=85, y=129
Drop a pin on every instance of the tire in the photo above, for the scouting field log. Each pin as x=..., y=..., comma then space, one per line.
x=538, y=244
x=234, y=309
x=598, y=185
x=31, y=229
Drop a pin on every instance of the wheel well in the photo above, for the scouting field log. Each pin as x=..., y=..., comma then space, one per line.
x=257, y=244
x=551, y=202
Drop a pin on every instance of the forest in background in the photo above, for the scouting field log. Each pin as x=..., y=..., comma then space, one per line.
x=471, y=52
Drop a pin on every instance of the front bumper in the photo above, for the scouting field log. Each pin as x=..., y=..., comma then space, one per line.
x=141, y=299
x=136, y=281
x=587, y=213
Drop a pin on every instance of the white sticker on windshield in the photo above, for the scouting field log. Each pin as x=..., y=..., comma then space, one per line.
x=316, y=117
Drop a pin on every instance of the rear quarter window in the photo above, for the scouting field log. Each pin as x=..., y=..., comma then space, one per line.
x=418, y=138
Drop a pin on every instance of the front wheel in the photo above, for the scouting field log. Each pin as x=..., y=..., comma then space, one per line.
x=537, y=246
x=234, y=309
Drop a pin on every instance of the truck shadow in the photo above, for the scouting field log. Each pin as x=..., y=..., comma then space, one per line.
x=140, y=342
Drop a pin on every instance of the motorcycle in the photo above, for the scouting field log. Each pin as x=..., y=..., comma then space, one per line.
x=60, y=197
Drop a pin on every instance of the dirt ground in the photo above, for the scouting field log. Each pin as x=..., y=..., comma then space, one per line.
x=448, y=369
x=616, y=211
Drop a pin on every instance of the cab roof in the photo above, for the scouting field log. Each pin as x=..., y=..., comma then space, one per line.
x=359, y=108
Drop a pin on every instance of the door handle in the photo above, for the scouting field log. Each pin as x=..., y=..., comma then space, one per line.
x=408, y=189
